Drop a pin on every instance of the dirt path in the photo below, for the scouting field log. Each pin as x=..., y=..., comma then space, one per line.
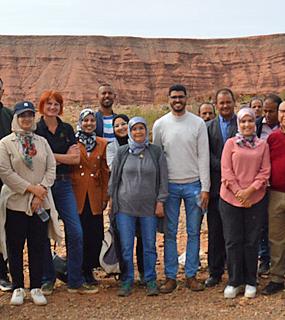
x=181, y=304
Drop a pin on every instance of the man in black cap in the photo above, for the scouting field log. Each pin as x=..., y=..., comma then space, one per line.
x=6, y=116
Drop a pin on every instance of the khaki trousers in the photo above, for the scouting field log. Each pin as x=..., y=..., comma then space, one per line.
x=276, y=211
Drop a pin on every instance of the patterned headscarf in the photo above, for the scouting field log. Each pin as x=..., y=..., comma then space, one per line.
x=134, y=147
x=25, y=140
x=88, y=139
x=246, y=141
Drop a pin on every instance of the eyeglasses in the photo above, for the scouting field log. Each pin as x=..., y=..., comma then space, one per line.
x=177, y=97
x=122, y=124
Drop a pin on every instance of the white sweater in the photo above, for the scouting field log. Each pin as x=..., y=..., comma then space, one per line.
x=184, y=140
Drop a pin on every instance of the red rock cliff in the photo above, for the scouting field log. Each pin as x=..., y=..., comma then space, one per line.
x=140, y=69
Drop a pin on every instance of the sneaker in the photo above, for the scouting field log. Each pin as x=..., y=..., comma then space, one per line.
x=263, y=269
x=5, y=285
x=84, y=288
x=18, y=297
x=47, y=288
x=250, y=291
x=151, y=288
x=38, y=298
x=125, y=289
x=231, y=292
x=212, y=281
x=272, y=287
x=90, y=279
x=168, y=286
x=194, y=285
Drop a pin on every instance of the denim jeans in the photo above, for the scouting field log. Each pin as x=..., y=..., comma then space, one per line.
x=126, y=225
x=67, y=209
x=189, y=192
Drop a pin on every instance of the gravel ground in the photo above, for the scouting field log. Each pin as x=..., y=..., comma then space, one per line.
x=181, y=304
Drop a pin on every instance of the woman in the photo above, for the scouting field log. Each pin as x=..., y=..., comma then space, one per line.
x=245, y=172
x=120, y=127
x=27, y=169
x=90, y=181
x=138, y=189
x=62, y=141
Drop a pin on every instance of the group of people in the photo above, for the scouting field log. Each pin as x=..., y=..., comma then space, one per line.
x=230, y=165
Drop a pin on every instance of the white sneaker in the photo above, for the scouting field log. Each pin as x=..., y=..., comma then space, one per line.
x=250, y=291
x=231, y=292
x=38, y=297
x=18, y=297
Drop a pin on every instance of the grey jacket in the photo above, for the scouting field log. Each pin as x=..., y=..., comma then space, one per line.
x=114, y=182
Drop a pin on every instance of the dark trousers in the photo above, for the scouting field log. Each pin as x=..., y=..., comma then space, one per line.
x=20, y=227
x=242, y=229
x=264, y=249
x=93, y=235
x=3, y=268
x=216, y=243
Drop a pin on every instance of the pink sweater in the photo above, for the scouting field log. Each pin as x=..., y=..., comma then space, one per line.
x=243, y=167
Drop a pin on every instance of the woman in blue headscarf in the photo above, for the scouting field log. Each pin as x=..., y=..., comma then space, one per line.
x=138, y=189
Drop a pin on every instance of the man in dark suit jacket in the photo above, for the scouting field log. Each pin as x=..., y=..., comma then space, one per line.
x=221, y=128
x=264, y=127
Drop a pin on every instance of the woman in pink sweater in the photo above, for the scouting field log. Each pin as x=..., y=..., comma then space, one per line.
x=245, y=168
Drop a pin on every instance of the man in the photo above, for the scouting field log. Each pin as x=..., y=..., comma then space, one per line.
x=105, y=114
x=207, y=111
x=276, y=209
x=256, y=104
x=264, y=127
x=183, y=136
x=219, y=130
x=5, y=129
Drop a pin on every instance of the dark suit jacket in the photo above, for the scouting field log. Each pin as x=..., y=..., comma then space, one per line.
x=216, y=144
x=259, y=124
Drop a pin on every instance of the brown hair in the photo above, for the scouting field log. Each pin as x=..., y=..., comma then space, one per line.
x=50, y=94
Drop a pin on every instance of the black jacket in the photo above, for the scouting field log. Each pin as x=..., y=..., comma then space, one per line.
x=216, y=144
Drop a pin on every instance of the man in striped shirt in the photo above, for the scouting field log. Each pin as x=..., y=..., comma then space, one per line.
x=105, y=114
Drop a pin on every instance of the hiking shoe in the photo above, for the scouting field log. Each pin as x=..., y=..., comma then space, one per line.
x=272, y=287
x=263, y=269
x=84, y=288
x=141, y=282
x=231, y=292
x=168, y=286
x=151, y=288
x=47, y=288
x=194, y=285
x=18, y=297
x=125, y=289
x=38, y=298
x=250, y=291
x=5, y=285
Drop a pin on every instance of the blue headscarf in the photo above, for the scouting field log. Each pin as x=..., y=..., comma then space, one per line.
x=135, y=147
x=88, y=139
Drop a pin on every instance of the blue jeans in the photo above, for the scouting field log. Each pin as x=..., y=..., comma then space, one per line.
x=66, y=206
x=126, y=225
x=189, y=192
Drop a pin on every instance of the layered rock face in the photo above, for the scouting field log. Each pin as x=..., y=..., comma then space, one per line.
x=141, y=70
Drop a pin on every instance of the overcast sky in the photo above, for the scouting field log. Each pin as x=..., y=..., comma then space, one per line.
x=145, y=18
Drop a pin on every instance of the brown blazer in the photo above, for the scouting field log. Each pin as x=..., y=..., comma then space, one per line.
x=91, y=177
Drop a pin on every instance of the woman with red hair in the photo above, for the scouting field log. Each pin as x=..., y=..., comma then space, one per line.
x=61, y=138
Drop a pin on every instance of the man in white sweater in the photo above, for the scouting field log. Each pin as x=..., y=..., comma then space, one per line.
x=184, y=139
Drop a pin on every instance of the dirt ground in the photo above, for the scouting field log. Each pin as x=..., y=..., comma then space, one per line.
x=181, y=304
